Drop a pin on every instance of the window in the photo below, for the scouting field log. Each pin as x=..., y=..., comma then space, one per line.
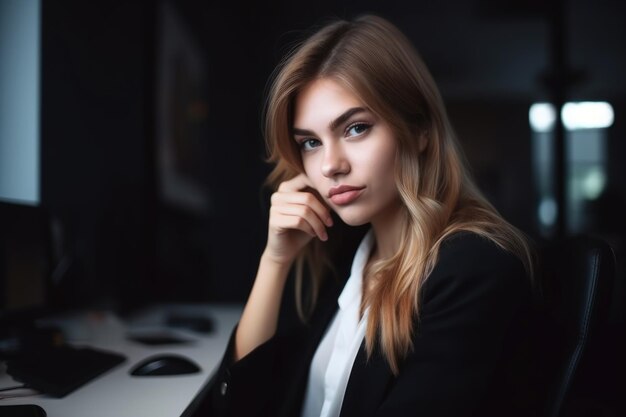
x=586, y=125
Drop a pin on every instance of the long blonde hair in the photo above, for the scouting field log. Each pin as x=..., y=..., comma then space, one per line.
x=376, y=62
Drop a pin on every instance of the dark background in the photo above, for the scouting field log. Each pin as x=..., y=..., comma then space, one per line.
x=100, y=72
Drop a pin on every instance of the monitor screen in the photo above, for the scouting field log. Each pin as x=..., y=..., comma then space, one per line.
x=19, y=101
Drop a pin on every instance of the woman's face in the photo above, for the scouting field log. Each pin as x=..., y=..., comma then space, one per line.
x=347, y=153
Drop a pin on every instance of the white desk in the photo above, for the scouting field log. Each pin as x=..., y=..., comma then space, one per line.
x=116, y=393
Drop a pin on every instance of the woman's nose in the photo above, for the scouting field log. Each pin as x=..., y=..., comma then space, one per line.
x=335, y=161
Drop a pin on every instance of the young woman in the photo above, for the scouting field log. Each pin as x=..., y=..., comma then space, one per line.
x=426, y=317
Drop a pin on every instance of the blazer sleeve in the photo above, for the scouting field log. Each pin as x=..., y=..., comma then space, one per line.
x=470, y=304
x=242, y=388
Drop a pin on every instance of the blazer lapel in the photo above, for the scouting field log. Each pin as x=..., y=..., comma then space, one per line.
x=367, y=386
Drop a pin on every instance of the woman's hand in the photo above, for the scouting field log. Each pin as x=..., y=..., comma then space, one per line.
x=296, y=217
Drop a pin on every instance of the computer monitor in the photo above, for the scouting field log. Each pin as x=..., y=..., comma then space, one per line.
x=24, y=229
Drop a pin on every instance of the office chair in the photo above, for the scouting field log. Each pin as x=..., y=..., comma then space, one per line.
x=577, y=279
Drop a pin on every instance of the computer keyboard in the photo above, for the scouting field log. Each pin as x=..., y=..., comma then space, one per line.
x=60, y=370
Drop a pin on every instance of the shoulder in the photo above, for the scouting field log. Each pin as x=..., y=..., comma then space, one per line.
x=468, y=262
x=469, y=252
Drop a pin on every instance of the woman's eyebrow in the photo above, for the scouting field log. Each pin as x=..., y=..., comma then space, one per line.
x=335, y=123
x=345, y=116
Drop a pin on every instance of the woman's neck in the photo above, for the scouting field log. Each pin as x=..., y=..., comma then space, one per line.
x=387, y=231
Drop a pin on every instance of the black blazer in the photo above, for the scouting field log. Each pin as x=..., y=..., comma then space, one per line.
x=468, y=357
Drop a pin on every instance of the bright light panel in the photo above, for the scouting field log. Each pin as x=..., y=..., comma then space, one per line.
x=587, y=115
x=575, y=115
x=542, y=117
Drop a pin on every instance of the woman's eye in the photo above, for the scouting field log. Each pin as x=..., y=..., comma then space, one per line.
x=309, y=144
x=357, y=129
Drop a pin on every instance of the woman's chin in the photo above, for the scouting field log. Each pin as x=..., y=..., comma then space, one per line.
x=353, y=220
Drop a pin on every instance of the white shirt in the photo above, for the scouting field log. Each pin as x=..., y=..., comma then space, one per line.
x=334, y=357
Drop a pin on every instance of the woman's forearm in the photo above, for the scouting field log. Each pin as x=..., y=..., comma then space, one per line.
x=260, y=315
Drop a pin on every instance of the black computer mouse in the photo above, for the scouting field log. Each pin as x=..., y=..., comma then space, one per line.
x=165, y=364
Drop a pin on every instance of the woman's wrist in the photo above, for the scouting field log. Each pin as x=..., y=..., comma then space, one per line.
x=276, y=262
x=277, y=270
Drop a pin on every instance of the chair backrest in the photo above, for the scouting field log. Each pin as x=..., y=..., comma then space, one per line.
x=577, y=277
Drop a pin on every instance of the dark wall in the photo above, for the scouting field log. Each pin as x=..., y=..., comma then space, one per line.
x=238, y=71
x=96, y=154
x=495, y=136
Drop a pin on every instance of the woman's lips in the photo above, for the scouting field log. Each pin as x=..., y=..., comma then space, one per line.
x=343, y=195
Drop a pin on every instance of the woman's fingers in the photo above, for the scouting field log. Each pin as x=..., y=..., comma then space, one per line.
x=293, y=223
x=297, y=183
x=305, y=199
x=298, y=216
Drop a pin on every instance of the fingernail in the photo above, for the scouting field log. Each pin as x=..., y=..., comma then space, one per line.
x=324, y=237
x=329, y=221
